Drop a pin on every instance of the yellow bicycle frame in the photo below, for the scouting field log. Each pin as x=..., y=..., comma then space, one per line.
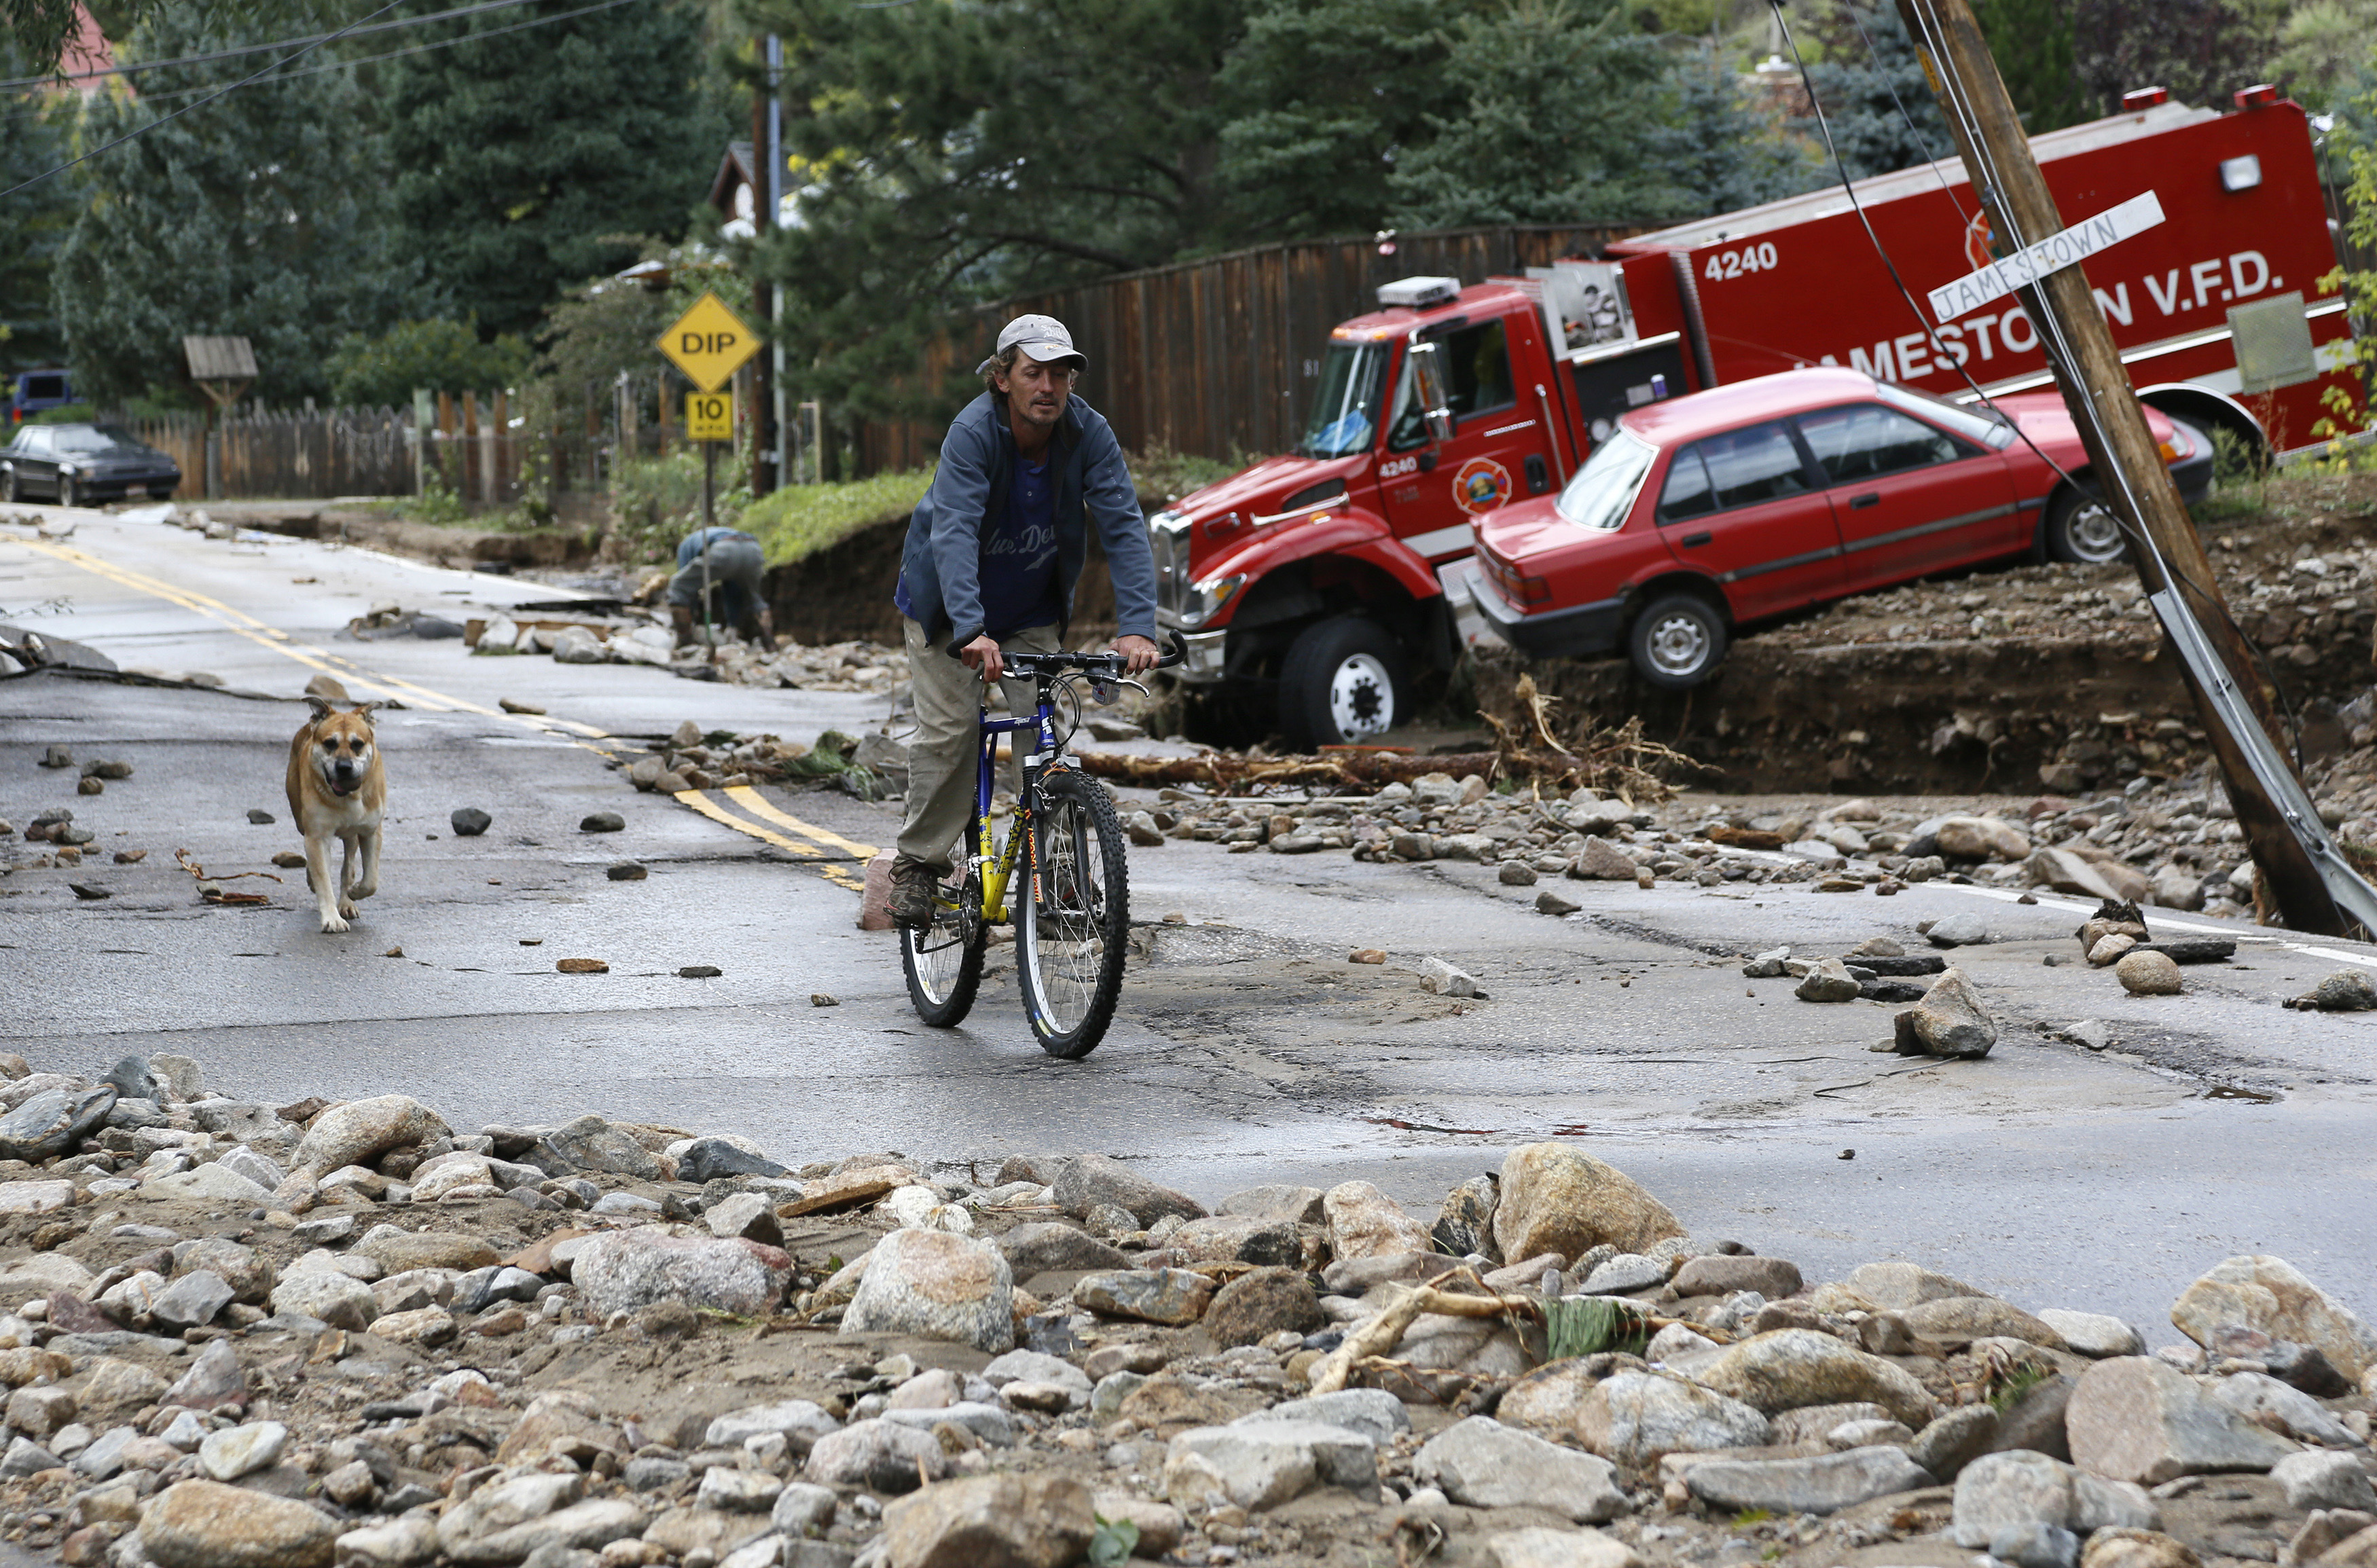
x=997, y=871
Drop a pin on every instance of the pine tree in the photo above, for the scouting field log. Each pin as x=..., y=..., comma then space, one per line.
x=1712, y=153
x=33, y=140
x=947, y=155
x=261, y=215
x=2033, y=43
x=524, y=158
x=1875, y=99
x=1560, y=100
x=1324, y=99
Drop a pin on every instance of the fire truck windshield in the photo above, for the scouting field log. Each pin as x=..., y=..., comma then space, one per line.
x=1346, y=414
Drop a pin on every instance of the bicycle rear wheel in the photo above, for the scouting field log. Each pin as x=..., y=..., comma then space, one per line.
x=943, y=961
x=1073, y=927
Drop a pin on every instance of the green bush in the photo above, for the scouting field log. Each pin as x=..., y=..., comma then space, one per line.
x=444, y=356
x=657, y=501
x=801, y=520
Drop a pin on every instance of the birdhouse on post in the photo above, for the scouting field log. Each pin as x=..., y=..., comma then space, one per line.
x=222, y=368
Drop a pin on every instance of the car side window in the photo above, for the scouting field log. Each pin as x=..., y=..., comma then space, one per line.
x=1866, y=442
x=1758, y=463
x=34, y=442
x=1688, y=493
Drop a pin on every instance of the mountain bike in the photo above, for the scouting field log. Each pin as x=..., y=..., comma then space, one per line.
x=1061, y=876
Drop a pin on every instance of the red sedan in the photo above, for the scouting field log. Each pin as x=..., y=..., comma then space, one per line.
x=1746, y=502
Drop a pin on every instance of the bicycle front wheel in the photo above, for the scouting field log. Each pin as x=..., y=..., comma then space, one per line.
x=1073, y=929
x=943, y=961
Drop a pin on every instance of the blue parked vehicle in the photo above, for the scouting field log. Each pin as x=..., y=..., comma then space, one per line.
x=35, y=391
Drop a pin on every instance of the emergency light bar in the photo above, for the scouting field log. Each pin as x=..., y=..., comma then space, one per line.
x=1418, y=294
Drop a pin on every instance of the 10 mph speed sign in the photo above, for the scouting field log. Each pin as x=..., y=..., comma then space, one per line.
x=709, y=416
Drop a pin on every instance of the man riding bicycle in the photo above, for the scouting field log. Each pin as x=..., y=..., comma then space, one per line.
x=991, y=559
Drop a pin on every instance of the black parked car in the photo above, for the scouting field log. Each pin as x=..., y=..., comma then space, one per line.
x=78, y=465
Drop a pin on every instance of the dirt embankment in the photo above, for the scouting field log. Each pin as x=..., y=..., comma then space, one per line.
x=842, y=593
x=372, y=529
x=2013, y=679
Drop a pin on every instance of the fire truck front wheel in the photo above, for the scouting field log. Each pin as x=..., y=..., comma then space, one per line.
x=1344, y=681
x=1678, y=640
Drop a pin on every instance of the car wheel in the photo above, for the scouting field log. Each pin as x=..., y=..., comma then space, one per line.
x=1343, y=682
x=9, y=492
x=1678, y=640
x=69, y=492
x=2081, y=530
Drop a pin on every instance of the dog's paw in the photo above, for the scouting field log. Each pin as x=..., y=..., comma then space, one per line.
x=346, y=912
x=331, y=923
x=363, y=890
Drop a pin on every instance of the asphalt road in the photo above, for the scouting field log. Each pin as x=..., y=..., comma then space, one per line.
x=1248, y=1049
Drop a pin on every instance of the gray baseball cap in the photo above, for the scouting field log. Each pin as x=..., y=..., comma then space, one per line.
x=1042, y=337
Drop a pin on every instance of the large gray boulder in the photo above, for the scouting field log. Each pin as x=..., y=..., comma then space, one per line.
x=1825, y=1484
x=935, y=1285
x=1480, y=1463
x=2133, y=1418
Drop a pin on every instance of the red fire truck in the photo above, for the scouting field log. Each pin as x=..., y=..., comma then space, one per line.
x=1328, y=578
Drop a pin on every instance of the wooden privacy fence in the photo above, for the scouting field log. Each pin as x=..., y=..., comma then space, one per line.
x=1220, y=356
x=303, y=454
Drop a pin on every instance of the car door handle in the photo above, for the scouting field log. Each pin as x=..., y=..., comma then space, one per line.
x=1861, y=502
x=1688, y=540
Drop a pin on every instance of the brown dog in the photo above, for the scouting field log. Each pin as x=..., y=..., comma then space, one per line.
x=337, y=790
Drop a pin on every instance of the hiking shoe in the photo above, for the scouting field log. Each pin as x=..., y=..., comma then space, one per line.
x=913, y=886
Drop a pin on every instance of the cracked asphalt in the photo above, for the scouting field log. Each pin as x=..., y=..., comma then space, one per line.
x=1247, y=1049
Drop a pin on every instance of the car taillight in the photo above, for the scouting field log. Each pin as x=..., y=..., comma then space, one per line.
x=1534, y=590
x=2169, y=453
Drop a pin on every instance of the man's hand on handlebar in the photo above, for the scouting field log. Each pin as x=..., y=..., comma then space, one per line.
x=1140, y=654
x=982, y=656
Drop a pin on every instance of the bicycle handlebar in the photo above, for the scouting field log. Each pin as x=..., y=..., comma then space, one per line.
x=1102, y=664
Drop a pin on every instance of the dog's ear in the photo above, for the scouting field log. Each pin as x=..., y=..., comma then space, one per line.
x=364, y=711
x=321, y=706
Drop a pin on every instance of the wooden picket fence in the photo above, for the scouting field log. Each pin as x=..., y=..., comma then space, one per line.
x=1222, y=356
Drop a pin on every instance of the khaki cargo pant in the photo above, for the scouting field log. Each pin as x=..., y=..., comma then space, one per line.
x=941, y=753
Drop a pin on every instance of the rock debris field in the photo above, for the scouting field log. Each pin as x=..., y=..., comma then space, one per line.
x=239, y=1336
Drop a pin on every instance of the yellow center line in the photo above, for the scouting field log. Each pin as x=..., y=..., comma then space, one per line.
x=718, y=813
x=758, y=805
x=389, y=686
x=840, y=875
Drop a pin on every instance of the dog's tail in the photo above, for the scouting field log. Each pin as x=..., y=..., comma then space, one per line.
x=327, y=686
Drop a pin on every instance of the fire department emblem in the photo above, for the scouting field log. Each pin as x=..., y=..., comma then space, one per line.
x=1480, y=485
x=1978, y=237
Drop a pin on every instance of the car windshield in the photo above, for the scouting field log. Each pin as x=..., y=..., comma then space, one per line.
x=1346, y=414
x=1604, y=489
x=95, y=438
x=1981, y=422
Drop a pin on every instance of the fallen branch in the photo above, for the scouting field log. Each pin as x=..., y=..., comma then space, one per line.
x=1386, y=1331
x=1377, y=1336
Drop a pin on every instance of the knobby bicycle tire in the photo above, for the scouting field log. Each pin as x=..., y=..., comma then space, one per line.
x=1072, y=916
x=944, y=1002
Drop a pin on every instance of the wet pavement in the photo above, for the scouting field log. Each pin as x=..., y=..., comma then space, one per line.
x=1248, y=1048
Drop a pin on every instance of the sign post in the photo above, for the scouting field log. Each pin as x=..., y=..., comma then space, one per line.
x=710, y=343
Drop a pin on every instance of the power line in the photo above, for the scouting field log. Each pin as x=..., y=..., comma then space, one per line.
x=368, y=59
x=260, y=48
x=186, y=108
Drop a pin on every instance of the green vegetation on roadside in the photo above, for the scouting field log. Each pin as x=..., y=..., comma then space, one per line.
x=800, y=520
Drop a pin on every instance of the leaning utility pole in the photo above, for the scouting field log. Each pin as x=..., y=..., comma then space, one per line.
x=765, y=158
x=2313, y=889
